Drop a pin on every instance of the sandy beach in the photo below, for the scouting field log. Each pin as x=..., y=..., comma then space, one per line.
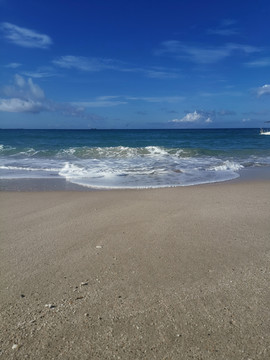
x=177, y=273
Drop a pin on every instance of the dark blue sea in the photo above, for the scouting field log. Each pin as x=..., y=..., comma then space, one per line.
x=132, y=158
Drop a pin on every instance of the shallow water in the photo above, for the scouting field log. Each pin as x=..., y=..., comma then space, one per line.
x=132, y=158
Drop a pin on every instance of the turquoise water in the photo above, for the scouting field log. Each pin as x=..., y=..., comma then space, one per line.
x=132, y=158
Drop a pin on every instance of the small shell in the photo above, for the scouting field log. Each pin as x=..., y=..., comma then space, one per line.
x=50, y=306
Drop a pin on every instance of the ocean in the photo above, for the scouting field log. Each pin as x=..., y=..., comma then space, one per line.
x=115, y=159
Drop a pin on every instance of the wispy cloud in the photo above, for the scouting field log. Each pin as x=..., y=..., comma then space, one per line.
x=154, y=73
x=159, y=74
x=263, y=62
x=98, y=102
x=256, y=113
x=24, y=96
x=13, y=65
x=227, y=22
x=203, y=55
x=84, y=64
x=222, y=93
x=263, y=90
x=25, y=37
x=37, y=74
x=225, y=113
x=141, y=113
x=41, y=72
x=158, y=99
x=225, y=28
x=93, y=64
x=108, y=101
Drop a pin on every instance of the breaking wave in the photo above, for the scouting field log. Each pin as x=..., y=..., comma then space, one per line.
x=128, y=167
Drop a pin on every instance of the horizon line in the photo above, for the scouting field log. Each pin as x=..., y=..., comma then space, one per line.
x=101, y=129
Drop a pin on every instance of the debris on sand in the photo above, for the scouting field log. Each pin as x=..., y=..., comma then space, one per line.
x=50, y=306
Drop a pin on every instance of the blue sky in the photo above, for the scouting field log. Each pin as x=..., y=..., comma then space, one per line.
x=134, y=64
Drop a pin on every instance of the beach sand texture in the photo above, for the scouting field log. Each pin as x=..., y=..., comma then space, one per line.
x=179, y=273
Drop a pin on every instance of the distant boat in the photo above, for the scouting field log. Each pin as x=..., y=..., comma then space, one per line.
x=264, y=132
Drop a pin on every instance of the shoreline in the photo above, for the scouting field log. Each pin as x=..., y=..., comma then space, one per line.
x=158, y=274
x=61, y=184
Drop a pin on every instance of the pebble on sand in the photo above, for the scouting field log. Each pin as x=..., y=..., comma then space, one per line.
x=50, y=306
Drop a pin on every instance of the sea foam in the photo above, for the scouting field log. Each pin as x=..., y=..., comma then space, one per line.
x=132, y=159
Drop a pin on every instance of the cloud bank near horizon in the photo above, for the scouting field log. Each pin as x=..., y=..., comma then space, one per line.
x=24, y=96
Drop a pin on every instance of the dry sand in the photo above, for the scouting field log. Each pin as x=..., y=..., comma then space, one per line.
x=177, y=273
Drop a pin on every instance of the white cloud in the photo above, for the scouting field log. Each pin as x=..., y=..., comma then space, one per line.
x=195, y=117
x=19, y=81
x=189, y=117
x=27, y=97
x=24, y=89
x=25, y=37
x=23, y=96
x=263, y=90
x=200, y=55
x=35, y=90
x=20, y=105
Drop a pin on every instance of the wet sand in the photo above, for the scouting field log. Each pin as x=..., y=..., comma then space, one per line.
x=178, y=273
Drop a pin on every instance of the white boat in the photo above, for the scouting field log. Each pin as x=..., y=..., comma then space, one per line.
x=264, y=132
